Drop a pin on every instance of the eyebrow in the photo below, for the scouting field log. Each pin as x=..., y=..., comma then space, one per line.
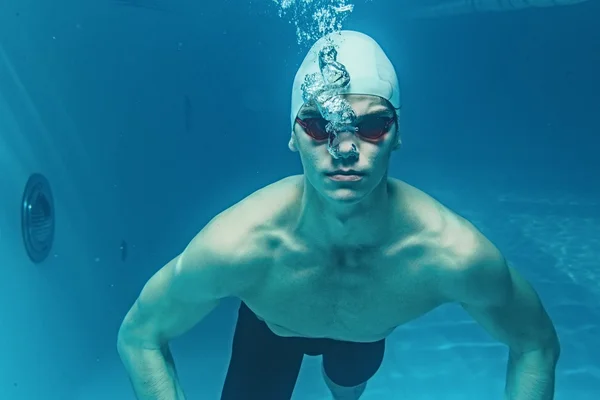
x=378, y=112
x=308, y=110
x=311, y=111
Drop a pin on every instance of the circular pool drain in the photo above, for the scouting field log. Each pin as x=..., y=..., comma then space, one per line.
x=37, y=218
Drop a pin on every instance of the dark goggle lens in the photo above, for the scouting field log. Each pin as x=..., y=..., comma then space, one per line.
x=371, y=128
x=374, y=128
x=315, y=127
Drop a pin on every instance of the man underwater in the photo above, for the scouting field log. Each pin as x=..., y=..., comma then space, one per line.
x=330, y=262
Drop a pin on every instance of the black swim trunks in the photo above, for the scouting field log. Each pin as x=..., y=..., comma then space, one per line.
x=265, y=366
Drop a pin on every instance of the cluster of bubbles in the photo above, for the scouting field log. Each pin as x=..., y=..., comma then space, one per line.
x=314, y=19
x=323, y=88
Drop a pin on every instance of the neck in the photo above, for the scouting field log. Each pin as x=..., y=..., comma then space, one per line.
x=334, y=224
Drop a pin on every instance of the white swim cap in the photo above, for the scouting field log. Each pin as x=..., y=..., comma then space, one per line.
x=371, y=71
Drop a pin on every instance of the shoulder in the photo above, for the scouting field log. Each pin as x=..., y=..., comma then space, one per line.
x=478, y=274
x=230, y=248
x=237, y=226
x=470, y=266
x=416, y=209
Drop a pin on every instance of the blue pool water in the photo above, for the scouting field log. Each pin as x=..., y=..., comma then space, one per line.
x=148, y=117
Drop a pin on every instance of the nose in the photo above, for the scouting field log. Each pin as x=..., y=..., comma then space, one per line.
x=347, y=147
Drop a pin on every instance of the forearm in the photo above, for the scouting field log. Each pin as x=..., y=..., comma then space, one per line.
x=531, y=375
x=152, y=372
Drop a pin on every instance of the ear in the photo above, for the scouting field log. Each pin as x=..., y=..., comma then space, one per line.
x=292, y=143
x=398, y=140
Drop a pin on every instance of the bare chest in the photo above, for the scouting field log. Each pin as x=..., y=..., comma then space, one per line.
x=354, y=296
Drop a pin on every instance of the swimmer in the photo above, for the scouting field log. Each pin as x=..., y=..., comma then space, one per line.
x=330, y=262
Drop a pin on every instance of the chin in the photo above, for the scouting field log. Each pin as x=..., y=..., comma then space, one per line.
x=340, y=193
x=344, y=196
x=349, y=193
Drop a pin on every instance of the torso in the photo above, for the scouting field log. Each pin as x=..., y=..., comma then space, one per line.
x=356, y=297
x=359, y=294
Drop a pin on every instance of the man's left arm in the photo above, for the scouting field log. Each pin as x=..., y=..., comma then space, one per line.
x=508, y=307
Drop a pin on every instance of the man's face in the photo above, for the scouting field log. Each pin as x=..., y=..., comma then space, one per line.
x=353, y=175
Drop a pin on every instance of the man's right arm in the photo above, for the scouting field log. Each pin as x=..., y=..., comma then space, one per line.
x=175, y=299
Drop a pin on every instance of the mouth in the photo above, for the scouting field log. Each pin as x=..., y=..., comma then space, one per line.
x=345, y=175
x=345, y=172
